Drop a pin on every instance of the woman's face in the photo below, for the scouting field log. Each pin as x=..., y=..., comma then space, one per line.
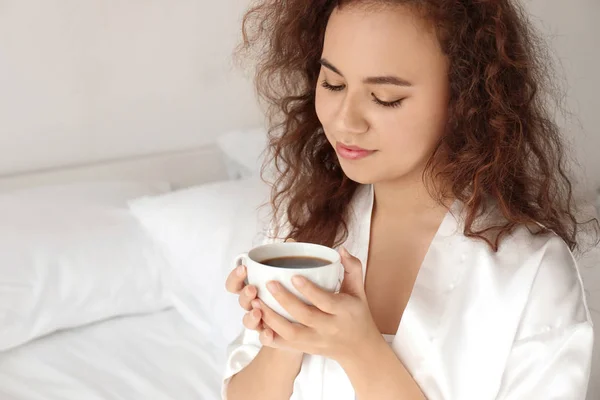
x=383, y=87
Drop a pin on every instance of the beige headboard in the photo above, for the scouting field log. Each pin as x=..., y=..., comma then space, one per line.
x=180, y=168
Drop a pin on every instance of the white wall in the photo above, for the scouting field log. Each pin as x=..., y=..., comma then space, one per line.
x=90, y=80
x=575, y=34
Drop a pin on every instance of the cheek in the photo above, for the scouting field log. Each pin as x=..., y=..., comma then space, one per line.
x=326, y=105
x=414, y=134
x=324, y=110
x=321, y=107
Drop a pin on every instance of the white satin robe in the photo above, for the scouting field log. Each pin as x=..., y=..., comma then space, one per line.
x=479, y=325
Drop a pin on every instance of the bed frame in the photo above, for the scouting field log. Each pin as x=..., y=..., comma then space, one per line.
x=181, y=168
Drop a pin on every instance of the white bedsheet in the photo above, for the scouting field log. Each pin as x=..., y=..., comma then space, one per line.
x=152, y=357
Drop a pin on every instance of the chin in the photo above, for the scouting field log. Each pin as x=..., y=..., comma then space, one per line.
x=369, y=173
x=363, y=175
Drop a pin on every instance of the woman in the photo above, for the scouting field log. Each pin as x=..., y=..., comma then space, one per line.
x=415, y=134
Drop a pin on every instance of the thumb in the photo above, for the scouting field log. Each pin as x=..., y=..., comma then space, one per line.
x=353, y=274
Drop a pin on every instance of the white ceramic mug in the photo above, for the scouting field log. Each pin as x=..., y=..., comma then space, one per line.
x=328, y=277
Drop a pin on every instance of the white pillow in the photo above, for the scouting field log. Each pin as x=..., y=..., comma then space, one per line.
x=71, y=255
x=201, y=230
x=243, y=151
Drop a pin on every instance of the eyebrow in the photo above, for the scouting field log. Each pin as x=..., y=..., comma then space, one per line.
x=374, y=80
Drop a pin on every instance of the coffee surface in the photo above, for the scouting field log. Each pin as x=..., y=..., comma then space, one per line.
x=296, y=262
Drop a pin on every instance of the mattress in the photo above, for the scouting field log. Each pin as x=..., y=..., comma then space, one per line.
x=151, y=357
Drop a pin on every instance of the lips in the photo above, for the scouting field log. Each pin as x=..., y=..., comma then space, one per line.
x=352, y=152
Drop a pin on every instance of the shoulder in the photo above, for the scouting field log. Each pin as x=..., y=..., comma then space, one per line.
x=555, y=295
x=542, y=261
x=535, y=273
x=547, y=257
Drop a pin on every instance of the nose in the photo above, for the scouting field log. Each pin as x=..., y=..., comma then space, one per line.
x=349, y=119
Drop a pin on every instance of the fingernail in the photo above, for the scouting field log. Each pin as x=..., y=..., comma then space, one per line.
x=256, y=313
x=248, y=290
x=273, y=287
x=256, y=304
x=240, y=270
x=299, y=280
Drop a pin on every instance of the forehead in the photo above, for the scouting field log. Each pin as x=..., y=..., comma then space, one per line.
x=363, y=41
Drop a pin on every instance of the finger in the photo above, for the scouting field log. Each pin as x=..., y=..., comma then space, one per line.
x=252, y=320
x=302, y=312
x=246, y=296
x=267, y=338
x=322, y=300
x=271, y=339
x=287, y=330
x=290, y=240
x=256, y=306
x=353, y=282
x=235, y=279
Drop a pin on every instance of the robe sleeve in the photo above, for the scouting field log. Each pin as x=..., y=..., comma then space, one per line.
x=551, y=356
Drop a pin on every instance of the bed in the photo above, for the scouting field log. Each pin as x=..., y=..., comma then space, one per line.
x=88, y=304
x=157, y=356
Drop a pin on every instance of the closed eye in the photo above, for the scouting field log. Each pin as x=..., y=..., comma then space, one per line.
x=337, y=88
x=331, y=87
x=395, y=103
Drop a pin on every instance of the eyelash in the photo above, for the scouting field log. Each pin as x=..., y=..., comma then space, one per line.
x=329, y=86
x=390, y=104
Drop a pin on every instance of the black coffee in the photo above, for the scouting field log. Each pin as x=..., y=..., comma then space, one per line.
x=296, y=262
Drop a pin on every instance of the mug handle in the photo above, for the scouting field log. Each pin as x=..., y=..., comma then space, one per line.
x=242, y=259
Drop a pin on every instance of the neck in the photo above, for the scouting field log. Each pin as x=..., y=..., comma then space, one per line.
x=405, y=196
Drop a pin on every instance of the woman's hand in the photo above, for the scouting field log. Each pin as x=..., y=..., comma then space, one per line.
x=335, y=327
x=236, y=284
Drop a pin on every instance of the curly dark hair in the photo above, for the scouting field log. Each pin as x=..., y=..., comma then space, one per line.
x=502, y=141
